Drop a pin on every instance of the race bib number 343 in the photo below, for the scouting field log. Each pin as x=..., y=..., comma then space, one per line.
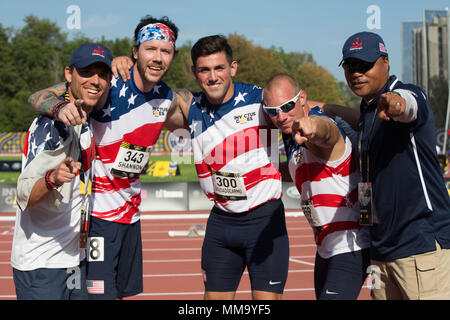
x=131, y=160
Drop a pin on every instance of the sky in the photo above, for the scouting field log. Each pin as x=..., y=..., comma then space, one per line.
x=319, y=27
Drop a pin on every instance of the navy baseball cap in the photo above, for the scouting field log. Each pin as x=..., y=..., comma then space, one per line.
x=89, y=53
x=366, y=46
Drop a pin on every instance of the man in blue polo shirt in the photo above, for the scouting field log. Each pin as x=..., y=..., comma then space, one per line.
x=402, y=194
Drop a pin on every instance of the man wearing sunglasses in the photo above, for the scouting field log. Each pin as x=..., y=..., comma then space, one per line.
x=408, y=206
x=321, y=164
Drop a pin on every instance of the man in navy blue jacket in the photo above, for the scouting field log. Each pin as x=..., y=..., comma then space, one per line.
x=402, y=192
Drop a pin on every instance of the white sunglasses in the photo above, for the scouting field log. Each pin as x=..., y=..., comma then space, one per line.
x=285, y=107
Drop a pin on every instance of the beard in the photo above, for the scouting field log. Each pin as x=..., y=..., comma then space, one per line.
x=149, y=75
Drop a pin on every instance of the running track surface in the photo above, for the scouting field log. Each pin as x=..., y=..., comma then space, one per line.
x=172, y=264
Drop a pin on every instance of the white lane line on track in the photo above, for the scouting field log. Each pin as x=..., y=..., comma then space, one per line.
x=168, y=275
x=154, y=232
x=197, y=260
x=175, y=239
x=157, y=225
x=239, y=291
x=183, y=235
x=172, y=260
x=301, y=261
x=10, y=230
x=172, y=249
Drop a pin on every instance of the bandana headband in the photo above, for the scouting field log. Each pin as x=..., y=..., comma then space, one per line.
x=156, y=31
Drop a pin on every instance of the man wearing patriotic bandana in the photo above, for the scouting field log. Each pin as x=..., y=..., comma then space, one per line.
x=246, y=226
x=124, y=131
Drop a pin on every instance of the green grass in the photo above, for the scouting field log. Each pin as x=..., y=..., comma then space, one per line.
x=9, y=177
x=11, y=158
x=187, y=172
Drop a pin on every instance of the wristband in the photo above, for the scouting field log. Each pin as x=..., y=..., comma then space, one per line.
x=48, y=183
x=58, y=107
x=393, y=92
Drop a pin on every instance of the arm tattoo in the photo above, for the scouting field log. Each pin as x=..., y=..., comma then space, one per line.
x=44, y=101
x=179, y=109
x=184, y=94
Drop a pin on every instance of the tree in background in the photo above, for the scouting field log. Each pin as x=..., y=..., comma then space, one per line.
x=438, y=91
x=33, y=58
x=319, y=84
x=33, y=61
x=255, y=64
x=180, y=74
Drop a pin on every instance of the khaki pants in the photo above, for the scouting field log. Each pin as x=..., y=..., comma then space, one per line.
x=424, y=276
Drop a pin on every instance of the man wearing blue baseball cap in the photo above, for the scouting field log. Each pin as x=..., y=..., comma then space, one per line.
x=125, y=129
x=402, y=193
x=49, y=244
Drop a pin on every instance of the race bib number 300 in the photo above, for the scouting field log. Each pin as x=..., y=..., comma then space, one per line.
x=131, y=160
x=229, y=186
x=311, y=214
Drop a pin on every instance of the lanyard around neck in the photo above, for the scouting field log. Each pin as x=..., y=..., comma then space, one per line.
x=367, y=147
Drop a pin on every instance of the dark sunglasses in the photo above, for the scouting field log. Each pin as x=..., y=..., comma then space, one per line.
x=285, y=107
x=358, y=66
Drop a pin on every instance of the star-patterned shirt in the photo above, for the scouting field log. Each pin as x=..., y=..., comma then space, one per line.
x=45, y=133
x=132, y=117
x=234, y=138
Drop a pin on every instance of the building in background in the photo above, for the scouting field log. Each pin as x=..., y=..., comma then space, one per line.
x=425, y=62
x=425, y=48
x=408, y=48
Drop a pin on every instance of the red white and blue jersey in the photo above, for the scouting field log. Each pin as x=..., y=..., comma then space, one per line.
x=233, y=141
x=129, y=117
x=48, y=134
x=332, y=188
